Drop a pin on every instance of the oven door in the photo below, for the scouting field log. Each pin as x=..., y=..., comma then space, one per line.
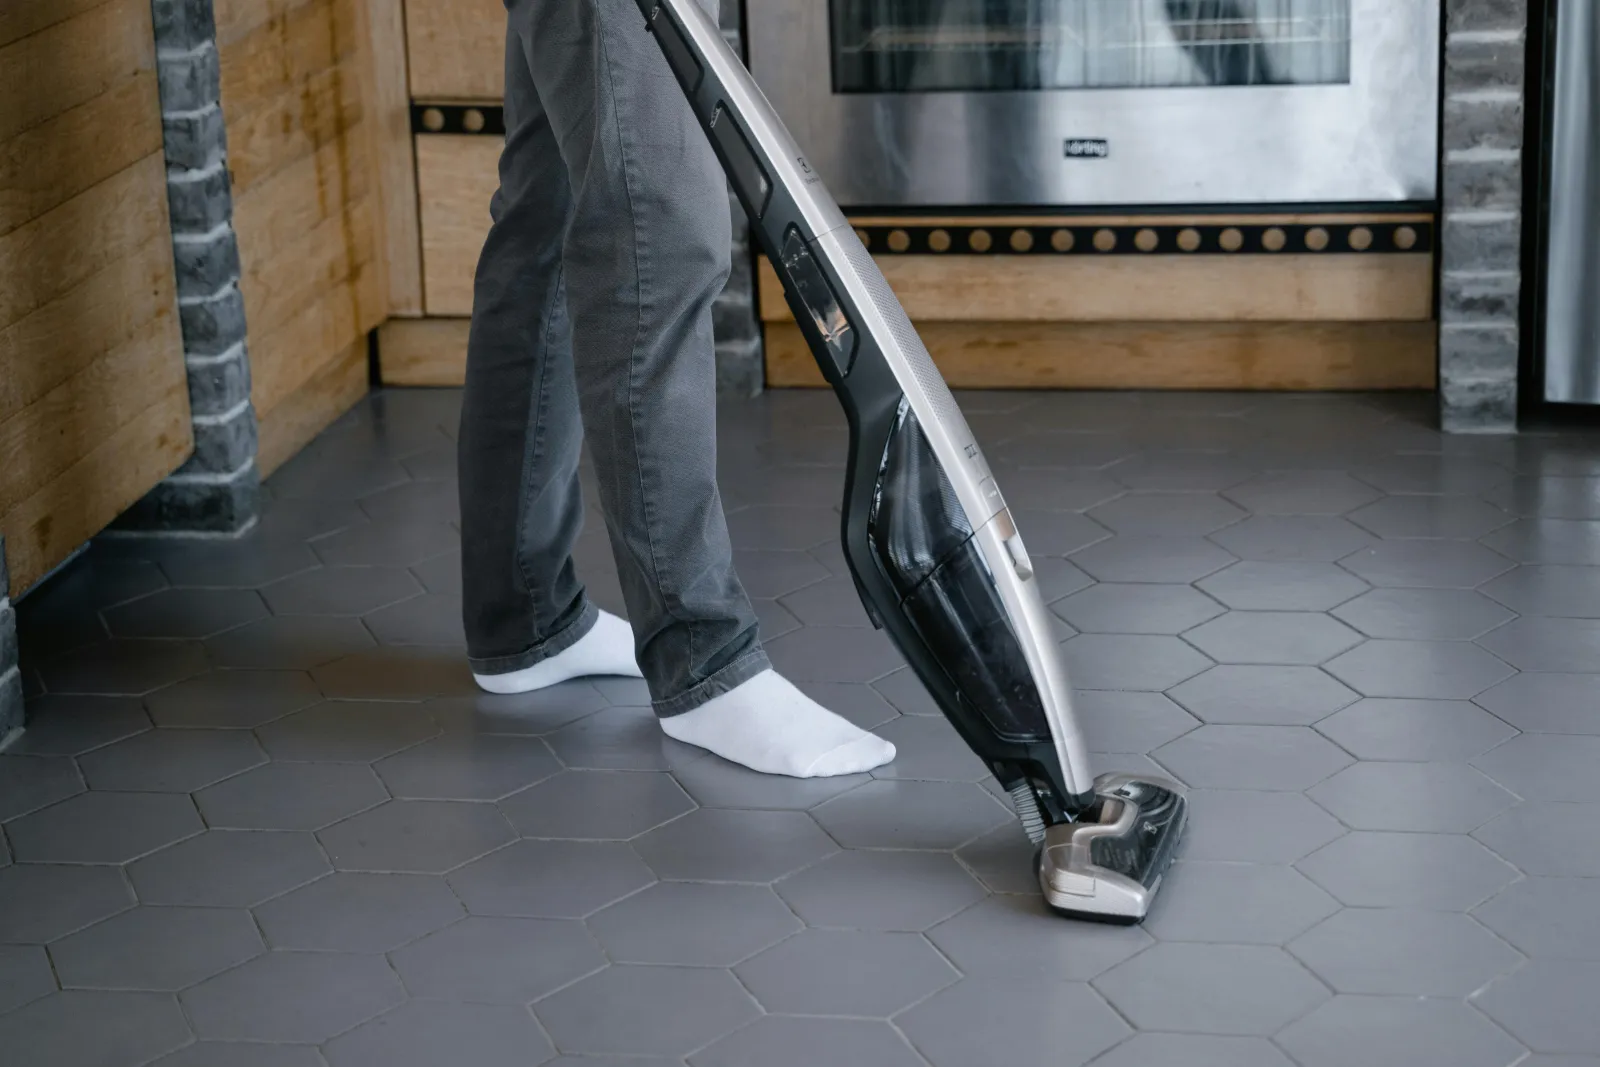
x=934, y=103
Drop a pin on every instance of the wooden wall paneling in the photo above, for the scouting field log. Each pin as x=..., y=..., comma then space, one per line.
x=337, y=386
x=313, y=338
x=388, y=121
x=423, y=351
x=281, y=55
x=1164, y=355
x=289, y=127
x=456, y=49
x=1082, y=288
x=456, y=176
x=23, y=18
x=72, y=62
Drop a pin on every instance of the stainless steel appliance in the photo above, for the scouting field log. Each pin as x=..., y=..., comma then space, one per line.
x=962, y=103
x=1568, y=321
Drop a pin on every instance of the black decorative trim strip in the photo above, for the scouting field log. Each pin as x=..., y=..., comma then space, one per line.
x=458, y=118
x=1354, y=237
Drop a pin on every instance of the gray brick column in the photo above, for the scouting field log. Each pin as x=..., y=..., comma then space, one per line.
x=218, y=490
x=740, y=368
x=1481, y=204
x=10, y=675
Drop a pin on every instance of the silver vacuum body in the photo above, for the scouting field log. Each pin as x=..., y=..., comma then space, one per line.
x=932, y=545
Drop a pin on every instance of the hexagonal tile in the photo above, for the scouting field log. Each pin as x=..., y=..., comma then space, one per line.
x=1546, y=918
x=1427, y=564
x=625, y=738
x=497, y=960
x=1166, y=514
x=340, y=590
x=171, y=761
x=1559, y=840
x=103, y=828
x=1255, y=827
x=1566, y=592
x=347, y=731
x=1136, y=608
x=923, y=815
x=550, y=879
x=1057, y=533
x=1192, y=471
x=1548, y=1005
x=1193, y=1050
x=232, y=699
x=73, y=725
x=412, y=672
x=25, y=976
x=833, y=654
x=29, y=783
x=1445, y=670
x=382, y=544
x=637, y=1011
x=1017, y=937
x=781, y=528
x=1293, y=538
x=422, y=836
x=786, y=1041
x=1552, y=645
x=1551, y=498
x=716, y=783
x=1407, y=1030
x=1404, y=952
x=457, y=767
x=1547, y=703
x=927, y=748
x=185, y=613
x=838, y=972
x=1130, y=722
x=880, y=890
x=905, y=691
x=123, y=666
x=1212, y=989
x=41, y=902
x=1423, y=614
x=1440, y=798
x=1059, y=489
x=523, y=714
x=768, y=573
x=695, y=924
x=1433, y=474
x=228, y=869
x=1131, y=558
x=1443, y=872
x=1002, y=859
x=289, y=643
x=861, y=704
x=1288, y=758
x=830, y=602
x=1570, y=541
x=413, y=503
x=1378, y=729
x=1238, y=903
x=347, y=912
x=598, y=805
x=244, y=564
x=298, y=997
x=429, y=619
x=1430, y=516
x=290, y=796
x=423, y=1033
x=160, y=950
x=81, y=1027
x=1273, y=637
x=1260, y=586
x=1063, y=1023
x=1263, y=695
x=719, y=845
x=1118, y=661
x=1542, y=766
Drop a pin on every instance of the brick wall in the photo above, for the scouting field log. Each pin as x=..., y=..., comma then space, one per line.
x=1481, y=198
x=218, y=490
x=740, y=370
x=10, y=676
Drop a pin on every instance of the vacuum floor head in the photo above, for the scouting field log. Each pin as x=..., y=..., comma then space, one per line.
x=932, y=544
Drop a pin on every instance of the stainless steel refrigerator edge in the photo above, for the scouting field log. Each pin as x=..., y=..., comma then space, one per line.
x=1571, y=268
x=1371, y=137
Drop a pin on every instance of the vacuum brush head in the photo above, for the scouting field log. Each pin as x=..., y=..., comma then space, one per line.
x=1108, y=864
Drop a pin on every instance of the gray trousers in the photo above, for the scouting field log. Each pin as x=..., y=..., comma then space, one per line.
x=591, y=321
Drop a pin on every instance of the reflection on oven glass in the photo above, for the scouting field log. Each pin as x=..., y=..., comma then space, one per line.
x=975, y=45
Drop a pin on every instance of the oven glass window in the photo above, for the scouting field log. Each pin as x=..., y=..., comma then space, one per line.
x=921, y=46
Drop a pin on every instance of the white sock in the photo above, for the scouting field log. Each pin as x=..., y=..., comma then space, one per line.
x=768, y=725
x=606, y=649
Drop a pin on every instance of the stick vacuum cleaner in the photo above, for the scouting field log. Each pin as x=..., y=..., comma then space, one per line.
x=935, y=554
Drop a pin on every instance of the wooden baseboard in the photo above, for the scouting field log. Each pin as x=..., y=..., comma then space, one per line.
x=1296, y=356
x=423, y=352
x=312, y=408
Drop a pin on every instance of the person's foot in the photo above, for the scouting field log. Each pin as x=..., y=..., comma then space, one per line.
x=768, y=725
x=606, y=649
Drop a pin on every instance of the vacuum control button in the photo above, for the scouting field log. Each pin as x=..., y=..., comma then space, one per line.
x=1019, y=556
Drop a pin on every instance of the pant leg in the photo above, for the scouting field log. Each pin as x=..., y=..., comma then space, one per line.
x=521, y=435
x=645, y=255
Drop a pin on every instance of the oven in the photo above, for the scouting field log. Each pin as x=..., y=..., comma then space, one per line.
x=1046, y=104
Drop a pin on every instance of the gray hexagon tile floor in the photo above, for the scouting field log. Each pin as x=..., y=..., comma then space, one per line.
x=261, y=818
